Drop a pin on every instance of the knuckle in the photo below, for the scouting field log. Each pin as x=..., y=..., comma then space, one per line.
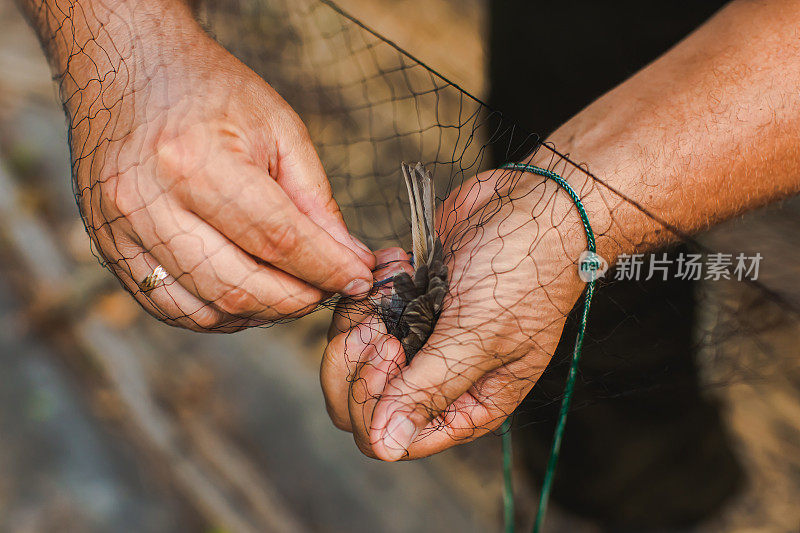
x=128, y=203
x=203, y=319
x=419, y=406
x=422, y=413
x=176, y=154
x=281, y=238
x=359, y=392
x=180, y=164
x=333, y=278
x=119, y=195
x=237, y=301
x=283, y=308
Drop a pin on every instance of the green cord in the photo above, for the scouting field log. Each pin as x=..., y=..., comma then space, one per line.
x=508, y=484
x=569, y=388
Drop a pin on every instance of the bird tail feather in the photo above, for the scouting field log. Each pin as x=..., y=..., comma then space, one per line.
x=422, y=199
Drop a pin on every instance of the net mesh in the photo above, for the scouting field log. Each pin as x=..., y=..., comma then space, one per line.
x=509, y=240
x=370, y=105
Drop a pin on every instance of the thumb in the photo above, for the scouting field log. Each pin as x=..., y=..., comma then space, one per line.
x=446, y=367
x=302, y=177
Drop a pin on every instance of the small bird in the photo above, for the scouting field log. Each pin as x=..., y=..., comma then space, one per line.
x=411, y=312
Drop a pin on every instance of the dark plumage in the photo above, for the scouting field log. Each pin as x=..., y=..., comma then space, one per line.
x=411, y=312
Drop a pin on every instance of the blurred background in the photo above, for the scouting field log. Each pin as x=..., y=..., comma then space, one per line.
x=112, y=421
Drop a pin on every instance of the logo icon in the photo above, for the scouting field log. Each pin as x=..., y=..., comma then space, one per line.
x=591, y=266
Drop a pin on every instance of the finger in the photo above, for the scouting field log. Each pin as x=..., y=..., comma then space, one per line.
x=168, y=300
x=363, y=350
x=343, y=355
x=455, y=374
x=348, y=313
x=480, y=410
x=301, y=175
x=383, y=361
x=252, y=210
x=347, y=344
x=204, y=262
x=375, y=391
x=390, y=262
x=218, y=272
x=447, y=366
x=334, y=377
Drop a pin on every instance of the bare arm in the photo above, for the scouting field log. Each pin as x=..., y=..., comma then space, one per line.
x=707, y=131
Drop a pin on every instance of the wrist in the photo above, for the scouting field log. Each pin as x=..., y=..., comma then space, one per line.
x=628, y=205
x=561, y=236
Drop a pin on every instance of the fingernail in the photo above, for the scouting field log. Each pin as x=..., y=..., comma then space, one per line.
x=357, y=287
x=399, y=434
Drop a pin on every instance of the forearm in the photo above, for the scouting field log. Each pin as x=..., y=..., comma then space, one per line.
x=71, y=30
x=107, y=47
x=704, y=133
x=114, y=61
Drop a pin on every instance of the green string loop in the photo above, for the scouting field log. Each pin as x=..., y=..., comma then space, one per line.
x=508, y=484
x=569, y=387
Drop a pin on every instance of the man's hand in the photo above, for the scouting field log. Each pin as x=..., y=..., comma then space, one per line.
x=183, y=157
x=513, y=282
x=702, y=134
